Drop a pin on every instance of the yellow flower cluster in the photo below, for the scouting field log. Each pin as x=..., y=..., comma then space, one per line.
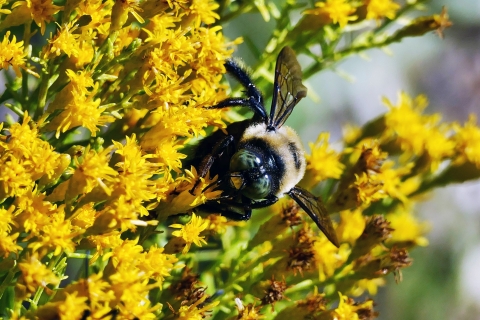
x=376, y=181
x=341, y=12
x=143, y=72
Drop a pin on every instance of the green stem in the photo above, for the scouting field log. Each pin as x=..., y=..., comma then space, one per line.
x=333, y=59
x=8, y=279
x=248, y=269
x=24, y=95
x=43, y=89
x=244, y=7
x=402, y=11
x=52, y=264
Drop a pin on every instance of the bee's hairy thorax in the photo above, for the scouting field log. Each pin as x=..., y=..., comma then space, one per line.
x=283, y=152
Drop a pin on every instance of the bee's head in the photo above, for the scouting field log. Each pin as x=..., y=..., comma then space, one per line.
x=248, y=174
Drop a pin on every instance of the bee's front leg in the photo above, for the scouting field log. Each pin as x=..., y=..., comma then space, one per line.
x=208, y=161
x=263, y=203
x=228, y=208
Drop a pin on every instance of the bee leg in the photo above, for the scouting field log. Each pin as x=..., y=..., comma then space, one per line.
x=232, y=215
x=263, y=203
x=215, y=183
x=230, y=102
x=251, y=102
x=238, y=72
x=228, y=208
x=207, y=162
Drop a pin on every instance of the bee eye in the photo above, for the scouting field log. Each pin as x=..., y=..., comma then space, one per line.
x=258, y=188
x=244, y=160
x=255, y=182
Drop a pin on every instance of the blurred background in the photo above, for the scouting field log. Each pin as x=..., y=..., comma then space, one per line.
x=444, y=280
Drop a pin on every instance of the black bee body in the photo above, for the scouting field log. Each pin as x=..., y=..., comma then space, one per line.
x=259, y=160
x=207, y=144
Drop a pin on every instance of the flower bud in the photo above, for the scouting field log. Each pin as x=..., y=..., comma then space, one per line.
x=376, y=231
x=422, y=25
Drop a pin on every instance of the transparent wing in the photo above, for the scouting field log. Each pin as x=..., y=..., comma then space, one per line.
x=316, y=210
x=288, y=89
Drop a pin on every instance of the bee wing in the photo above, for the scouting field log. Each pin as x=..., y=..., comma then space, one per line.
x=316, y=210
x=288, y=89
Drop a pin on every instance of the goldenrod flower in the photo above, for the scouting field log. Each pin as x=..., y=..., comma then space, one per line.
x=99, y=13
x=338, y=11
x=422, y=25
x=8, y=241
x=126, y=36
x=417, y=134
x=323, y=162
x=158, y=265
x=392, y=184
x=103, y=243
x=328, y=257
x=369, y=189
x=120, y=12
x=84, y=217
x=362, y=183
x=96, y=290
x=12, y=54
x=25, y=158
x=204, y=10
x=83, y=110
x=91, y=170
x=33, y=212
x=195, y=311
x=218, y=224
x=72, y=307
x=15, y=180
x=377, y=230
x=8, y=244
x=79, y=83
x=249, y=312
x=183, y=200
x=351, y=225
x=168, y=156
x=41, y=11
x=66, y=41
x=56, y=236
x=4, y=11
x=35, y=274
x=370, y=285
x=351, y=133
x=377, y=9
x=131, y=290
x=349, y=310
x=129, y=279
x=441, y=22
x=191, y=232
x=407, y=230
x=127, y=255
x=467, y=142
x=133, y=184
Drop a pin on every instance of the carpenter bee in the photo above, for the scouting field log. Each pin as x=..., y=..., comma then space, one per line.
x=260, y=160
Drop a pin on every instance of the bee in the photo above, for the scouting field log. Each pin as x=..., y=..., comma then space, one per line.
x=259, y=160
